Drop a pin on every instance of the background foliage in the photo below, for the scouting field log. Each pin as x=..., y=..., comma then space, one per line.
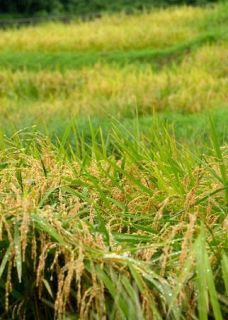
x=28, y=7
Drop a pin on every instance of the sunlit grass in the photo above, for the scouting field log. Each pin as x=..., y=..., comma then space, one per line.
x=199, y=83
x=158, y=29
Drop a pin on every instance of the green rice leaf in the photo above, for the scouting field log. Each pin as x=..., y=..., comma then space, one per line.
x=212, y=290
x=17, y=245
x=201, y=278
x=4, y=261
x=48, y=287
x=225, y=271
x=115, y=293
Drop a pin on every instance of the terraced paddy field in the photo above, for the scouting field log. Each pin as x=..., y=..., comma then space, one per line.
x=113, y=167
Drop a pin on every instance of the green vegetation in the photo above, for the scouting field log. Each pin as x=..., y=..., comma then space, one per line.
x=113, y=168
x=79, y=7
x=130, y=235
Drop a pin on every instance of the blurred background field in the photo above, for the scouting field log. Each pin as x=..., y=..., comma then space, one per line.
x=170, y=60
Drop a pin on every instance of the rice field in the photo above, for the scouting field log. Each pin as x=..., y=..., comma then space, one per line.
x=110, y=33
x=114, y=167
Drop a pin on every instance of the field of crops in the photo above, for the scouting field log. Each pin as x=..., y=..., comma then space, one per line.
x=114, y=167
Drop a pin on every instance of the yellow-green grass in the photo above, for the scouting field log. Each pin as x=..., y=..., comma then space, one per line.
x=195, y=82
x=158, y=29
x=199, y=83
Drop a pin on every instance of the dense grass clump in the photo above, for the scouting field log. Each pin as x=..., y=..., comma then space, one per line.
x=140, y=234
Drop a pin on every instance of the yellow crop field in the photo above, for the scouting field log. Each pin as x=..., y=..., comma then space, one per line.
x=198, y=83
x=110, y=33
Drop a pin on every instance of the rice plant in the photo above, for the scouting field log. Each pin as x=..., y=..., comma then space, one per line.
x=138, y=234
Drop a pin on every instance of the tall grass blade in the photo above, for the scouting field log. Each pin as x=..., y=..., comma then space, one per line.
x=201, y=277
x=212, y=290
x=115, y=293
x=20, y=179
x=225, y=271
x=219, y=155
x=4, y=261
x=17, y=246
